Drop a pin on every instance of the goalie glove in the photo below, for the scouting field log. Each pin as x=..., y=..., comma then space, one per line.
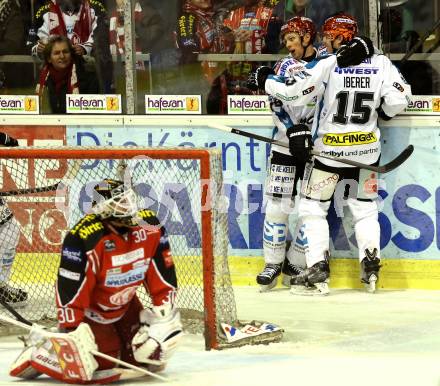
x=355, y=52
x=257, y=78
x=159, y=334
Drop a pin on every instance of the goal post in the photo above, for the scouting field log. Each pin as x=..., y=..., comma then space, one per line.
x=25, y=172
x=48, y=190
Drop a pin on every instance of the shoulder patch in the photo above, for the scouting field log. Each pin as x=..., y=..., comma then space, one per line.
x=149, y=216
x=87, y=226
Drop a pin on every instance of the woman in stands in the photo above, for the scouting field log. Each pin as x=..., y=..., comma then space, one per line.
x=63, y=73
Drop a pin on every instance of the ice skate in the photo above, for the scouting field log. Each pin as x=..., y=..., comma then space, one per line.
x=370, y=266
x=288, y=271
x=15, y=297
x=267, y=279
x=312, y=281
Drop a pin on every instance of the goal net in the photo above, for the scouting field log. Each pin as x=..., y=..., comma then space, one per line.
x=47, y=190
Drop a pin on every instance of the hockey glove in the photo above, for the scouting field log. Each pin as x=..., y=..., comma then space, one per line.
x=355, y=52
x=158, y=335
x=6, y=140
x=300, y=142
x=257, y=78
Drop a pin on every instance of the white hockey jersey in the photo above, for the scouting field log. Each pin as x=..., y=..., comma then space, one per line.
x=345, y=122
x=287, y=114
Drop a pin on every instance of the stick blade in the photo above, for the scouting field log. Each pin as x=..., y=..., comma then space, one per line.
x=396, y=162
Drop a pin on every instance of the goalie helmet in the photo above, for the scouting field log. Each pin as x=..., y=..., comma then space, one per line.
x=301, y=25
x=340, y=24
x=115, y=201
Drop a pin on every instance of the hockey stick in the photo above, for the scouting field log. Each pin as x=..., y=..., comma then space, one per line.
x=399, y=160
x=30, y=190
x=16, y=315
x=27, y=325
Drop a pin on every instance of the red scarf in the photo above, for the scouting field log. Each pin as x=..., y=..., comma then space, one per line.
x=60, y=78
x=116, y=33
x=82, y=28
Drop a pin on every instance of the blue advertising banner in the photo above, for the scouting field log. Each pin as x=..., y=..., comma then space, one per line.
x=410, y=196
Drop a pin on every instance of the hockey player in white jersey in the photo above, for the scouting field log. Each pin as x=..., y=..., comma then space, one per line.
x=284, y=170
x=9, y=235
x=350, y=101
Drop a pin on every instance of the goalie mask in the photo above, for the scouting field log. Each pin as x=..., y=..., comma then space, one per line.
x=115, y=201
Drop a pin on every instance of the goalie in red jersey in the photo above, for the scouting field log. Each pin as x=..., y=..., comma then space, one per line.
x=105, y=257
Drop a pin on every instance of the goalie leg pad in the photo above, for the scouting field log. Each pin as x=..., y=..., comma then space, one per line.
x=74, y=353
x=22, y=366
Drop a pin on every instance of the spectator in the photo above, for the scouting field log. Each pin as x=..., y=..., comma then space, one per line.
x=199, y=31
x=75, y=19
x=313, y=9
x=12, y=42
x=397, y=27
x=148, y=28
x=249, y=25
x=63, y=73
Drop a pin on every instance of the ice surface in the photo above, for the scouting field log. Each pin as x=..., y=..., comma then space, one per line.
x=348, y=338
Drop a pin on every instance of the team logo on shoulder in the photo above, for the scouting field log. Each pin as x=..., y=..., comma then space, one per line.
x=308, y=90
x=398, y=86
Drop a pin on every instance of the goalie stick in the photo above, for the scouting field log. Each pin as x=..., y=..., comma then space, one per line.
x=20, y=321
x=41, y=189
x=396, y=162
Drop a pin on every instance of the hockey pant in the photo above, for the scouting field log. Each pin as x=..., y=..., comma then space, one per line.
x=9, y=235
x=282, y=177
x=352, y=187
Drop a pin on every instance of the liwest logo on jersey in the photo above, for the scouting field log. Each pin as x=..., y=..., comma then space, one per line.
x=357, y=70
x=122, y=279
x=349, y=139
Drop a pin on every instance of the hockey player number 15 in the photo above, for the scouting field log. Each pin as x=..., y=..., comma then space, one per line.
x=360, y=113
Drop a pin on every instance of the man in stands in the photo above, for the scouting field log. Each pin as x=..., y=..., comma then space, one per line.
x=351, y=101
x=105, y=257
x=10, y=234
x=75, y=19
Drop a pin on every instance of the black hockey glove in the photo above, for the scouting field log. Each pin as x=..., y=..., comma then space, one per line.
x=257, y=78
x=300, y=142
x=356, y=51
x=6, y=140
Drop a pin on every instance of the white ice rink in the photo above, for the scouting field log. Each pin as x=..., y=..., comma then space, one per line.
x=349, y=338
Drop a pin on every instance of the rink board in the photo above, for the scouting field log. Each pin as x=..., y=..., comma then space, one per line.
x=394, y=274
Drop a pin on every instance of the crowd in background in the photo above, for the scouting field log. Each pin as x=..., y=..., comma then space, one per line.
x=174, y=34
